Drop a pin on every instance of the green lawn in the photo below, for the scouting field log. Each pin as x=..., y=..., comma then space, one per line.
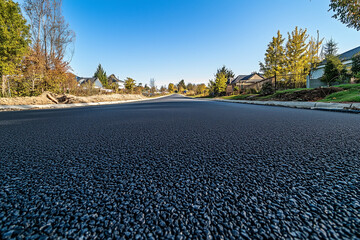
x=349, y=86
x=350, y=95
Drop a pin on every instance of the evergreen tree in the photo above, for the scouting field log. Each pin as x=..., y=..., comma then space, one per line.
x=274, y=62
x=355, y=68
x=146, y=87
x=181, y=85
x=347, y=11
x=333, y=70
x=101, y=75
x=297, y=57
x=330, y=48
x=14, y=40
x=229, y=74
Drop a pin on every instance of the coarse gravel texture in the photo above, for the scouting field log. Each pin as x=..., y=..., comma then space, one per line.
x=179, y=168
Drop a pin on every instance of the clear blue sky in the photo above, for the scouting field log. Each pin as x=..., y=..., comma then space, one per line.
x=171, y=40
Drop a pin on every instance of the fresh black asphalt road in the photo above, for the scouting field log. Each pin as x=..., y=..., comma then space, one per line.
x=178, y=168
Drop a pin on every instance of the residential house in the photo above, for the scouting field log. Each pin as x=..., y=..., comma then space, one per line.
x=112, y=79
x=243, y=82
x=86, y=81
x=314, y=78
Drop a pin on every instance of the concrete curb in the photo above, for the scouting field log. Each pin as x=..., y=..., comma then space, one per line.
x=72, y=105
x=339, y=107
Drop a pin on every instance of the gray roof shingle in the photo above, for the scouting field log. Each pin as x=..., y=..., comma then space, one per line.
x=345, y=56
x=244, y=78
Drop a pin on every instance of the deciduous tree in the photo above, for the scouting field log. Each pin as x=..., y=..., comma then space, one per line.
x=171, y=87
x=347, y=11
x=297, y=57
x=52, y=44
x=14, y=40
x=211, y=86
x=275, y=57
x=130, y=84
x=313, y=53
x=201, y=88
x=220, y=83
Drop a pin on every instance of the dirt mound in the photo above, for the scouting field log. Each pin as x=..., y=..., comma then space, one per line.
x=67, y=99
x=307, y=95
x=38, y=100
x=51, y=98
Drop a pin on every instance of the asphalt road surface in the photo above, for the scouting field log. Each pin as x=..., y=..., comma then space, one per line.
x=177, y=168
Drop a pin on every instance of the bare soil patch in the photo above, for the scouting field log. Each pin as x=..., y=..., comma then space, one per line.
x=50, y=98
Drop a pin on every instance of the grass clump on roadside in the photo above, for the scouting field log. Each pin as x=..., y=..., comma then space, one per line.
x=239, y=97
x=290, y=91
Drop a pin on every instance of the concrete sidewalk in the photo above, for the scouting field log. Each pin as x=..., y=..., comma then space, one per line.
x=72, y=105
x=341, y=107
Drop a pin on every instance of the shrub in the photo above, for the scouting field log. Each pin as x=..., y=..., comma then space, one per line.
x=333, y=70
x=267, y=89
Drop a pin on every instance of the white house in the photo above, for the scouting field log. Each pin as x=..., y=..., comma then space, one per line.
x=313, y=80
x=113, y=79
x=95, y=81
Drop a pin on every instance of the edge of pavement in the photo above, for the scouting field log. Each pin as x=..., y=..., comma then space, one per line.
x=71, y=105
x=338, y=107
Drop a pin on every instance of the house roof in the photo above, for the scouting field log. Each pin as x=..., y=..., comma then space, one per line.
x=81, y=80
x=113, y=79
x=245, y=77
x=345, y=56
x=349, y=54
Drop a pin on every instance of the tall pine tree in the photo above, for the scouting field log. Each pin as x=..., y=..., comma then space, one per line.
x=229, y=74
x=330, y=48
x=101, y=75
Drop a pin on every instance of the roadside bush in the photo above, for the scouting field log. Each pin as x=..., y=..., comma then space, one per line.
x=334, y=69
x=267, y=89
x=357, y=77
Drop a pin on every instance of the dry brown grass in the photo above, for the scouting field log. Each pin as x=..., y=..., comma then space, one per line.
x=67, y=99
